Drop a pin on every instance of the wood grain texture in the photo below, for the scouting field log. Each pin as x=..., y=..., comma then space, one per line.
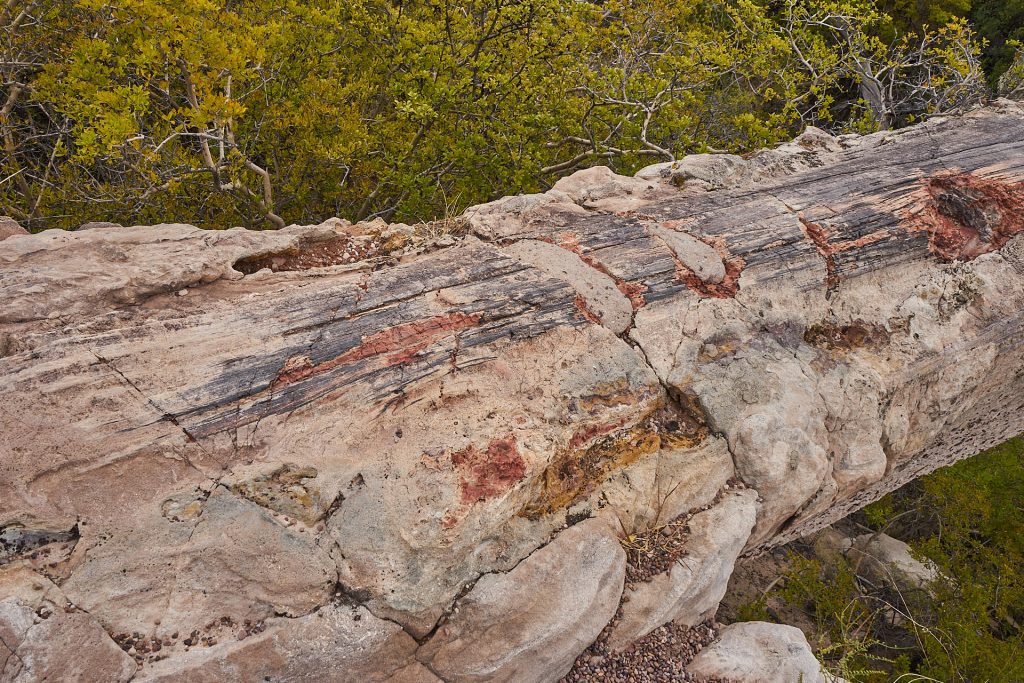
x=246, y=425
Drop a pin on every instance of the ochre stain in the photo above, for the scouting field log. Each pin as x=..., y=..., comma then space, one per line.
x=596, y=451
x=576, y=472
x=288, y=490
x=966, y=215
x=682, y=423
x=399, y=344
x=490, y=473
x=615, y=393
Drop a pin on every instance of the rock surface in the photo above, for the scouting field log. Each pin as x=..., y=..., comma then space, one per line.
x=529, y=625
x=228, y=427
x=759, y=652
x=10, y=227
x=599, y=298
x=889, y=561
x=43, y=637
x=690, y=591
x=337, y=644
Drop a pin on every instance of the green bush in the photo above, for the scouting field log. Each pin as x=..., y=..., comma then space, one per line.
x=967, y=627
x=266, y=112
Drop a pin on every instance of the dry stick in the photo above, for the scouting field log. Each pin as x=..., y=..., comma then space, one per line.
x=46, y=178
x=10, y=148
x=190, y=95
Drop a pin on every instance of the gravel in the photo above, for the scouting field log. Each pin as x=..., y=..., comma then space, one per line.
x=655, y=551
x=659, y=657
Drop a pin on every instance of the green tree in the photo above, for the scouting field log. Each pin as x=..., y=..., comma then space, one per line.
x=916, y=15
x=265, y=112
x=999, y=22
x=969, y=624
x=979, y=547
x=839, y=43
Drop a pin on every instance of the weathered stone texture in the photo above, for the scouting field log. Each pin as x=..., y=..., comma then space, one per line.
x=336, y=644
x=44, y=637
x=529, y=625
x=209, y=426
x=759, y=652
x=690, y=591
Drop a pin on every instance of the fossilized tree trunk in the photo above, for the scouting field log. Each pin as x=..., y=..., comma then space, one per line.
x=243, y=454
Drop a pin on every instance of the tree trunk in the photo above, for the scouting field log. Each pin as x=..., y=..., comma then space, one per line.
x=280, y=445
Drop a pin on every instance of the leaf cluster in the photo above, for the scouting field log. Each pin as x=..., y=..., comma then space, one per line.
x=265, y=112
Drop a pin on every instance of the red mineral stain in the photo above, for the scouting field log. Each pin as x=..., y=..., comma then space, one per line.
x=489, y=473
x=634, y=291
x=406, y=355
x=820, y=236
x=401, y=337
x=591, y=432
x=966, y=215
x=726, y=289
x=294, y=369
x=581, y=304
x=399, y=344
x=730, y=284
x=570, y=241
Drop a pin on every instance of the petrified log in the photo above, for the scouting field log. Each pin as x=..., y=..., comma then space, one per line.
x=293, y=454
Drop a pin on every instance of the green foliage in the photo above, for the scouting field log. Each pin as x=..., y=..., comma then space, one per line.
x=980, y=547
x=999, y=22
x=1011, y=83
x=260, y=112
x=879, y=512
x=914, y=15
x=843, y=619
x=967, y=627
x=755, y=610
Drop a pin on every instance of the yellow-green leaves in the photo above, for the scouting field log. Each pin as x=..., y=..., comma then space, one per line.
x=263, y=112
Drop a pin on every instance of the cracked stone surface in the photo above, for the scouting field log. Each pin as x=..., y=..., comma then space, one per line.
x=701, y=258
x=599, y=297
x=44, y=637
x=690, y=591
x=529, y=625
x=205, y=428
x=337, y=644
